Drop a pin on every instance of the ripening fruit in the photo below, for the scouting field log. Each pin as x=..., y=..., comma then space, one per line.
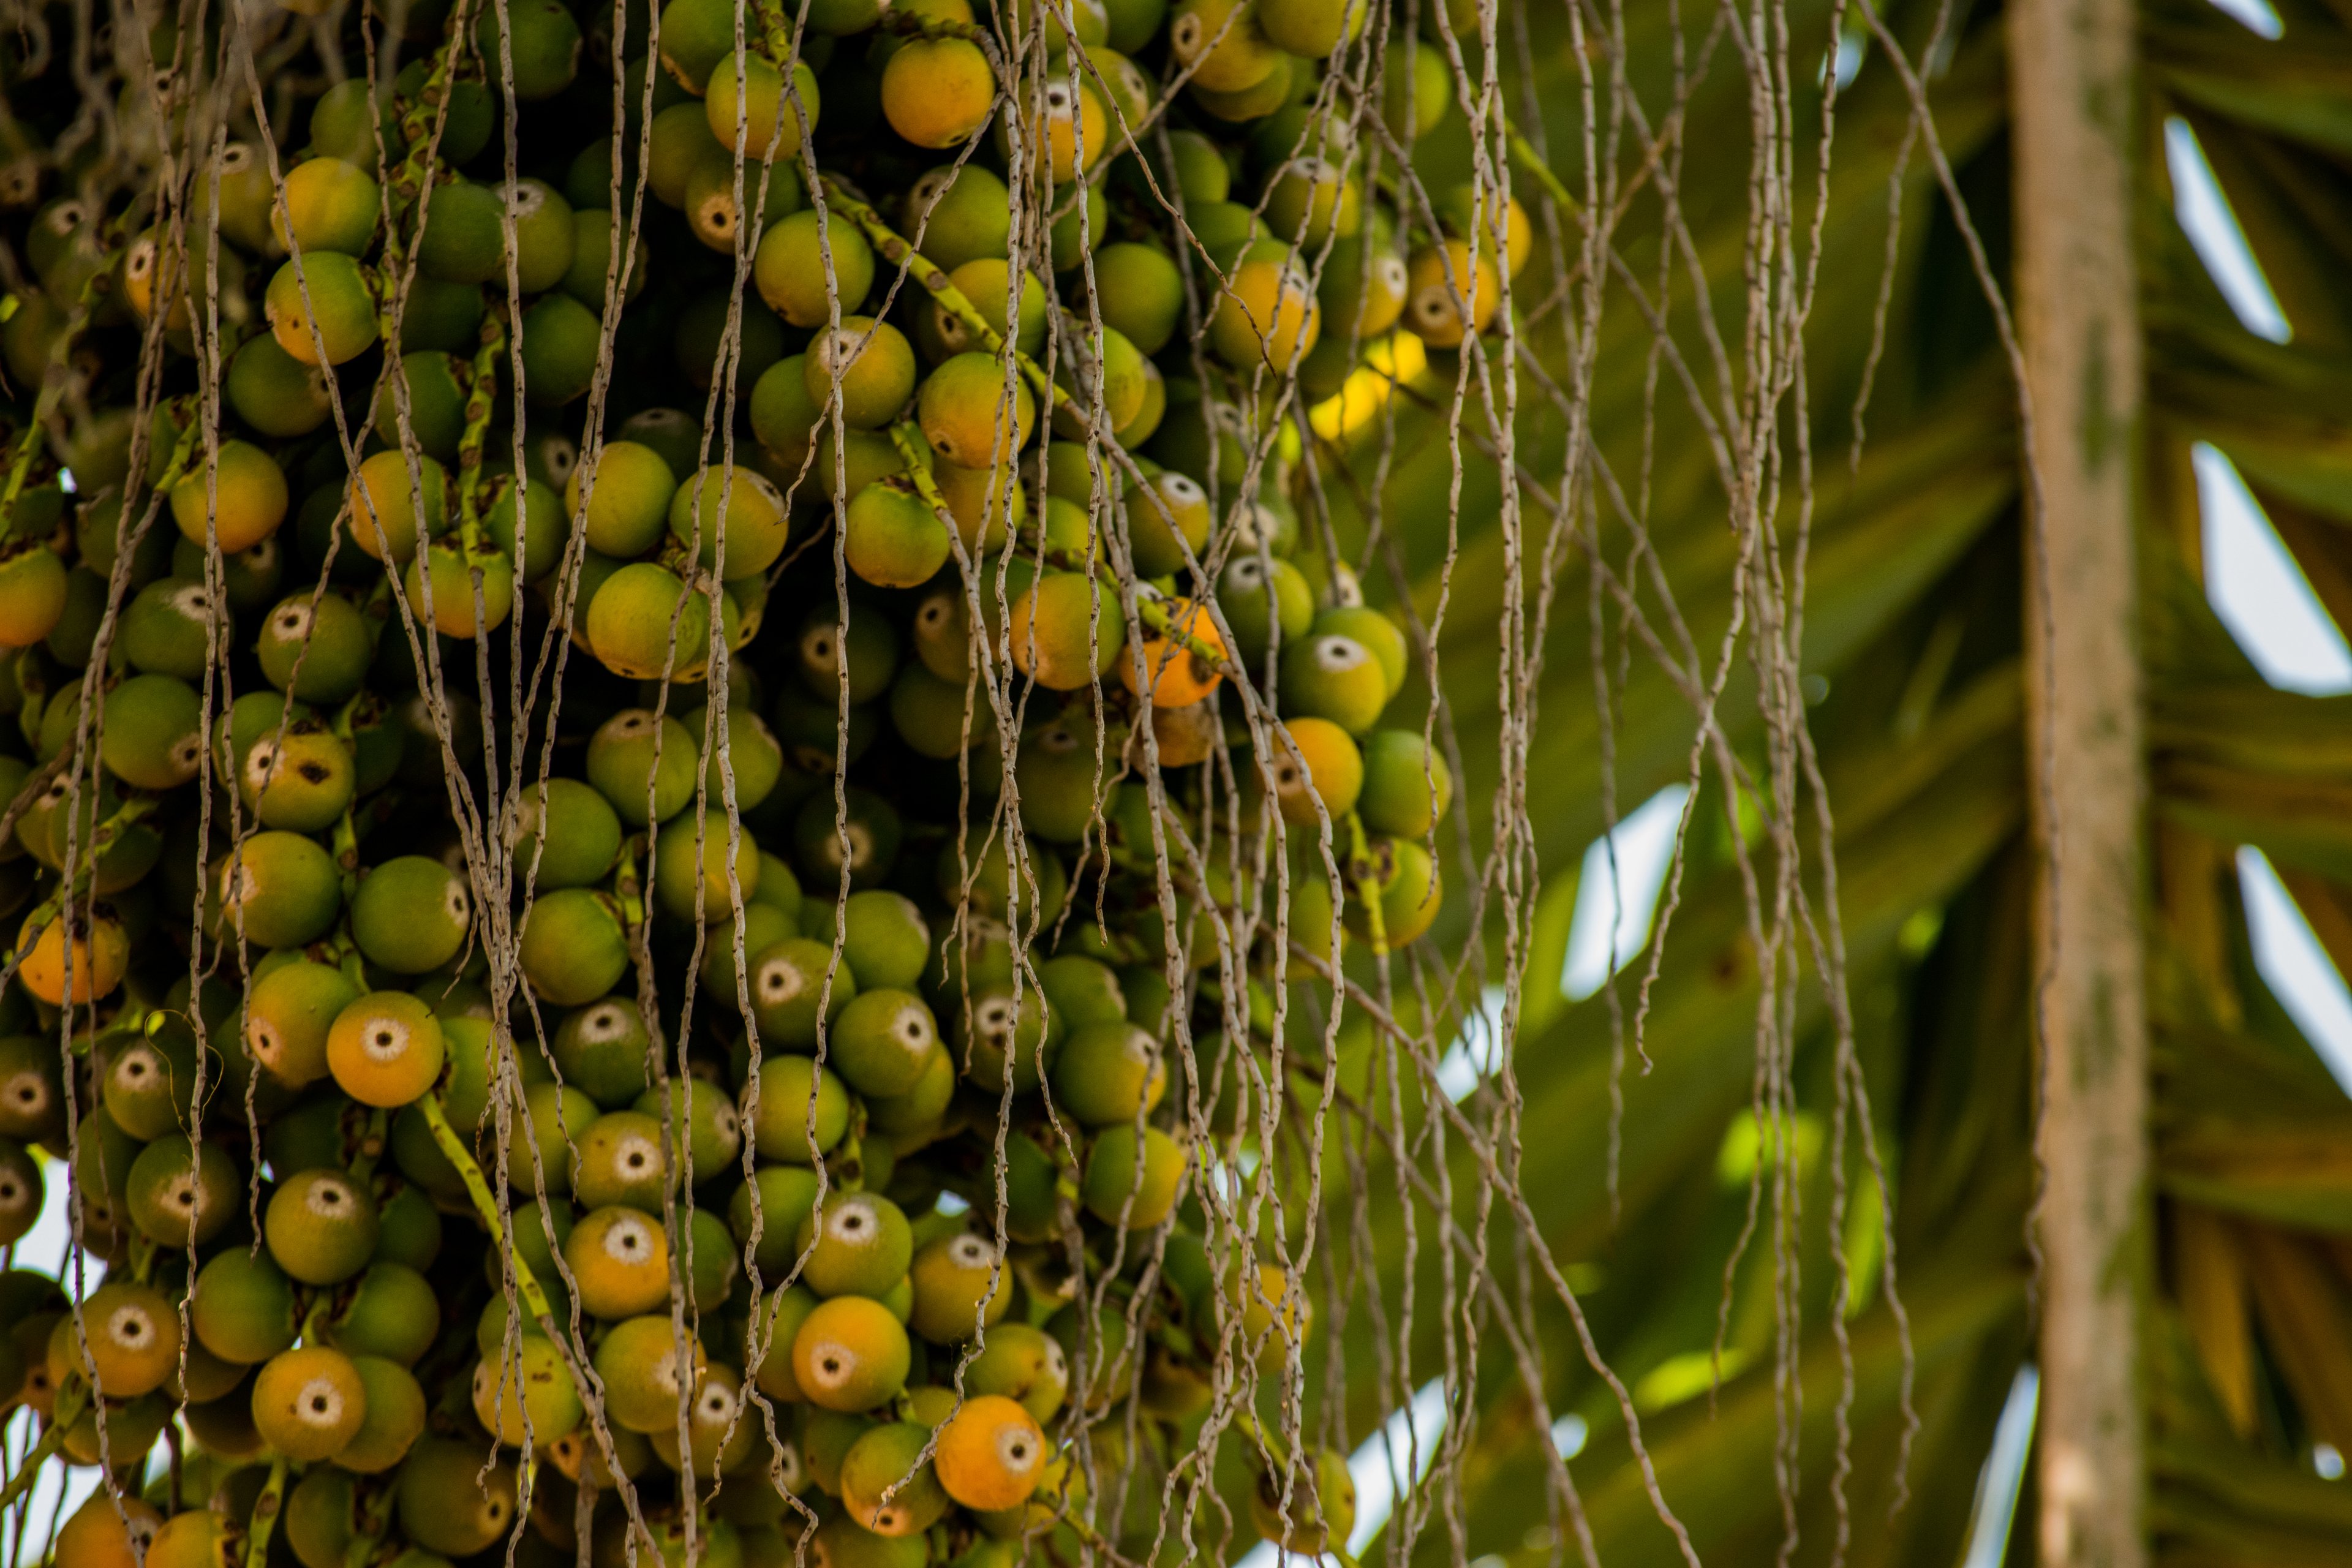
x=197, y=1538
x=561, y=342
x=748, y=86
x=460, y=592
x=1465, y=215
x=1117, y=1192
x=385, y=1048
x=966, y=415
x=1224, y=45
x=308, y=1402
x=744, y=506
x=639, y=1360
x=692, y=880
x=303, y=782
x=1327, y=767
x=1334, y=677
x=107, y=1532
x=1265, y=314
x=32, y=593
x=393, y=1314
x=991, y=1454
x=717, y=1436
x=791, y=271
x=527, y=1399
x=1308, y=202
x=1067, y=630
x=321, y=308
x=788, y=980
x=320, y=1226
x=621, y=1261
x=566, y=834
x=1073, y=131
x=392, y=510
x=1441, y=283
x=1181, y=666
x=626, y=489
x=938, y=92
x=133, y=1336
x=874, y=366
x=953, y=1276
x=1305, y=1513
x=646, y=623
x=715, y=210
x=239, y=500
x=886, y=1485
x=98, y=957
x=850, y=1354
x=287, y=1013
x=328, y=205
x=1311, y=28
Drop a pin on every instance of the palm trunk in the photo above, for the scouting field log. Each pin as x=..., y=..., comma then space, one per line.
x=2072, y=81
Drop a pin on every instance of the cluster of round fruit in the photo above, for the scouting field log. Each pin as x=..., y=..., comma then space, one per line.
x=567, y=1160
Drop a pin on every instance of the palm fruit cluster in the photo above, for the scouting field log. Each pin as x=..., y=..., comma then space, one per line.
x=685, y=729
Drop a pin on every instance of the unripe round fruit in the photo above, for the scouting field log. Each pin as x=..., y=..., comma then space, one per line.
x=320, y=1226
x=321, y=310
x=789, y=269
x=628, y=502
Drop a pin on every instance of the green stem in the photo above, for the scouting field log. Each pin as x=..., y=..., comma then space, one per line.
x=1524, y=151
x=486, y=1203
x=1359, y=857
x=895, y=248
x=29, y=1470
x=266, y=1509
